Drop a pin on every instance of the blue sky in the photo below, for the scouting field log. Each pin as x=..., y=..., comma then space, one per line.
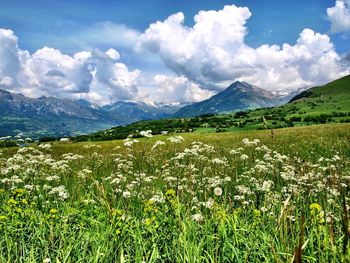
x=276, y=44
x=38, y=22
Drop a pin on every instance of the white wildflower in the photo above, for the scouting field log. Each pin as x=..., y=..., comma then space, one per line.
x=209, y=204
x=45, y=146
x=218, y=191
x=176, y=139
x=197, y=217
x=244, y=157
x=147, y=133
x=129, y=142
x=126, y=194
x=157, y=143
x=266, y=187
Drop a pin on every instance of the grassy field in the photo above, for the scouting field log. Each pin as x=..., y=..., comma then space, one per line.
x=248, y=196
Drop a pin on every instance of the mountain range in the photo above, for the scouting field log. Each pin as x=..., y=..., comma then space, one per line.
x=53, y=117
x=329, y=103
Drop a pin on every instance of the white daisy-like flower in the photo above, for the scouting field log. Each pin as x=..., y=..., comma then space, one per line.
x=244, y=157
x=126, y=194
x=218, y=191
x=197, y=217
x=147, y=133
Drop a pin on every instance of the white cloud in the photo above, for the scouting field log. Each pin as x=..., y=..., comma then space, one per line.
x=339, y=16
x=205, y=58
x=178, y=90
x=9, y=58
x=113, y=54
x=200, y=53
x=114, y=80
x=49, y=72
x=213, y=53
x=94, y=75
x=101, y=35
x=311, y=61
x=111, y=34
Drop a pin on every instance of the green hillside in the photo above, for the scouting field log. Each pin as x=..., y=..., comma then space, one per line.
x=330, y=102
x=325, y=104
x=337, y=87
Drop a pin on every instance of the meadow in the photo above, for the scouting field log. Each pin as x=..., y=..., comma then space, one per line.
x=249, y=196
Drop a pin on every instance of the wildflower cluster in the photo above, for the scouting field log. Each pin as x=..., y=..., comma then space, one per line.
x=151, y=192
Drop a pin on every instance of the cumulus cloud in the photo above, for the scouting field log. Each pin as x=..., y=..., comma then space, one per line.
x=93, y=75
x=9, y=58
x=339, y=16
x=113, y=54
x=112, y=78
x=172, y=89
x=205, y=58
x=213, y=52
x=311, y=61
x=49, y=72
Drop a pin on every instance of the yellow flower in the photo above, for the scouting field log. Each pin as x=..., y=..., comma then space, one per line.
x=149, y=207
x=117, y=212
x=257, y=213
x=148, y=221
x=3, y=218
x=53, y=211
x=170, y=194
x=12, y=201
x=19, y=192
x=315, y=207
x=317, y=212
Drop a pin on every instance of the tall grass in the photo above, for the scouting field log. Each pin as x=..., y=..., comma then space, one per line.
x=233, y=197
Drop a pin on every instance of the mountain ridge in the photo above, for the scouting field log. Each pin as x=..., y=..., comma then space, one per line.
x=320, y=109
x=49, y=116
x=237, y=96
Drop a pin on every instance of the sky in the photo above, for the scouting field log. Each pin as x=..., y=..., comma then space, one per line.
x=168, y=51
